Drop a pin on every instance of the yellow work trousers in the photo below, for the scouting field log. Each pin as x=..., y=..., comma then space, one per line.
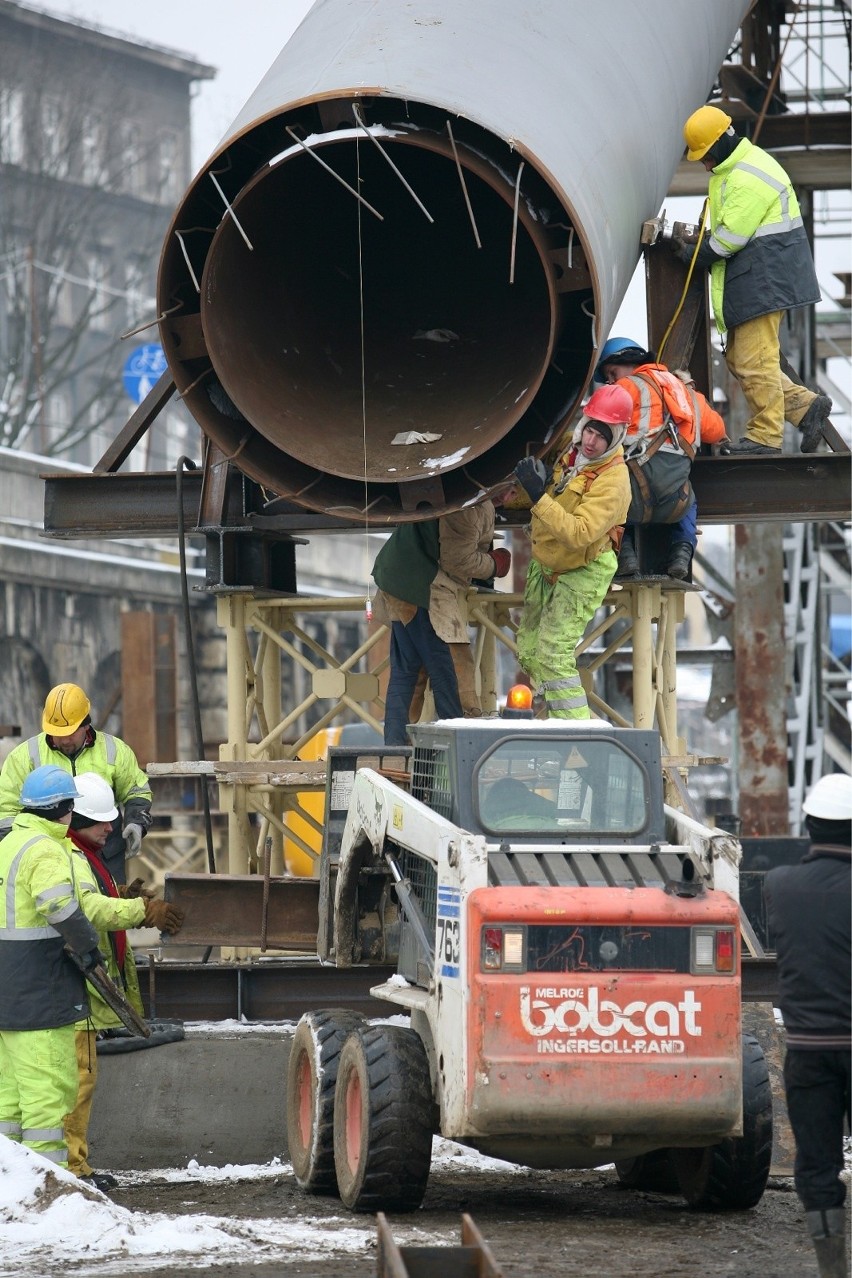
x=753, y=355
x=77, y=1122
x=38, y=1083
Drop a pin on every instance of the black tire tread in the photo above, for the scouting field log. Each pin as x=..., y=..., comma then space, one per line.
x=329, y=1027
x=733, y=1174
x=653, y=1172
x=394, y=1173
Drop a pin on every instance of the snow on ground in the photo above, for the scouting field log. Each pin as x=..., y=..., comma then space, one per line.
x=48, y=1220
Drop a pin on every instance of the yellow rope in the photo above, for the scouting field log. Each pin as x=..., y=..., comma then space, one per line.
x=689, y=274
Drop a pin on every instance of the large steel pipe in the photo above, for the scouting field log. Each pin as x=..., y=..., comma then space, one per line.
x=391, y=278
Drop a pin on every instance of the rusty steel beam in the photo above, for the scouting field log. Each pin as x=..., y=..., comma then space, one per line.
x=137, y=424
x=234, y=909
x=282, y=989
x=761, y=681
x=271, y=990
x=730, y=490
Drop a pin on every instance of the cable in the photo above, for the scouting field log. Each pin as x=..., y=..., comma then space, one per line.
x=689, y=275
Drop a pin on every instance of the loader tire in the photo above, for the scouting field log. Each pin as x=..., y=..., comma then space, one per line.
x=383, y=1120
x=733, y=1174
x=653, y=1172
x=311, y=1079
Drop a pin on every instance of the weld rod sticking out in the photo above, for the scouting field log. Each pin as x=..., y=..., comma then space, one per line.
x=463, y=185
x=227, y=204
x=330, y=170
x=515, y=223
x=375, y=141
x=188, y=263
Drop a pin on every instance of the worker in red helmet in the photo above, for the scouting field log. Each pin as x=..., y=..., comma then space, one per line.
x=669, y=420
x=760, y=265
x=578, y=513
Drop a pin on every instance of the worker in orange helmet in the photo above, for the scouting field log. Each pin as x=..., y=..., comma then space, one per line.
x=669, y=420
x=577, y=517
x=760, y=265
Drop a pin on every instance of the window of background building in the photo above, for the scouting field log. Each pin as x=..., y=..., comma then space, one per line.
x=168, y=183
x=57, y=415
x=98, y=302
x=12, y=126
x=91, y=149
x=131, y=174
x=139, y=299
x=54, y=142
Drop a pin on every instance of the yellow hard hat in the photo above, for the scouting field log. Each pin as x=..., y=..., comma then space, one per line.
x=704, y=127
x=65, y=708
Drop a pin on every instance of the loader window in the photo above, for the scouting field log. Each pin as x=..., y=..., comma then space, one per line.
x=539, y=786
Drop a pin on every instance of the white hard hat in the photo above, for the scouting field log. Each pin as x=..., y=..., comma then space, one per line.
x=829, y=800
x=96, y=801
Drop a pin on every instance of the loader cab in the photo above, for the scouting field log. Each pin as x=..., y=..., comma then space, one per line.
x=534, y=781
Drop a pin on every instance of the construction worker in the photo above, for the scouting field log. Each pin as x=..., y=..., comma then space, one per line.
x=669, y=421
x=808, y=909
x=69, y=741
x=423, y=572
x=112, y=909
x=577, y=518
x=760, y=266
x=42, y=992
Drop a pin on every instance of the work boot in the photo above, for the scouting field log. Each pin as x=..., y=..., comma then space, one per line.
x=628, y=561
x=812, y=423
x=680, y=557
x=100, y=1180
x=827, y=1229
x=751, y=448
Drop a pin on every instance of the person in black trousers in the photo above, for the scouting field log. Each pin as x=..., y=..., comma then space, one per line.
x=809, y=914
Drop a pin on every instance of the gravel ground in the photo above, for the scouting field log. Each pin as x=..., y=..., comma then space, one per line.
x=540, y=1224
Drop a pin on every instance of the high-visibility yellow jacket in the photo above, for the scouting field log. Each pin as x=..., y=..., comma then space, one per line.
x=40, y=988
x=108, y=756
x=765, y=261
x=108, y=914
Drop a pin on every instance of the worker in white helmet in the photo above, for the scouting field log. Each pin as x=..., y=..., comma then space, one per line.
x=112, y=908
x=809, y=917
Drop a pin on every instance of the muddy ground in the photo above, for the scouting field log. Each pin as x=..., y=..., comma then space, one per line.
x=538, y=1225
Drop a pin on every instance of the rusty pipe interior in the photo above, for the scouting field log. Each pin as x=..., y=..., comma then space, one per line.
x=446, y=314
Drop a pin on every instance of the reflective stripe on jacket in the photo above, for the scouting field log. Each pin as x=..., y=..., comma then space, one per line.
x=757, y=231
x=572, y=528
x=702, y=422
x=40, y=988
x=108, y=756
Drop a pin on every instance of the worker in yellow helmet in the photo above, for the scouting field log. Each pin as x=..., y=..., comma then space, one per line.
x=760, y=266
x=68, y=740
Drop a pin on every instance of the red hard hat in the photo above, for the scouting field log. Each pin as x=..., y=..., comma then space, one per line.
x=610, y=404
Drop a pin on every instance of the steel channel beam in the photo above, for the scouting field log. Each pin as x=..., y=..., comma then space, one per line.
x=273, y=990
x=229, y=910
x=730, y=490
x=281, y=990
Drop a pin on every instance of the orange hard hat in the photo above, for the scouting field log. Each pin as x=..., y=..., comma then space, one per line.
x=610, y=404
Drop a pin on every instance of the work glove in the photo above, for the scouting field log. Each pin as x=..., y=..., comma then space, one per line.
x=502, y=561
x=163, y=916
x=132, y=835
x=132, y=891
x=704, y=257
x=531, y=474
x=93, y=959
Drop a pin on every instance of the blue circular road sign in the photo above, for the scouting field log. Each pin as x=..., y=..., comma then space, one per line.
x=142, y=370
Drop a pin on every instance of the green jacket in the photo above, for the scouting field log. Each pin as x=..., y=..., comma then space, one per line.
x=407, y=563
x=40, y=988
x=108, y=756
x=756, y=230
